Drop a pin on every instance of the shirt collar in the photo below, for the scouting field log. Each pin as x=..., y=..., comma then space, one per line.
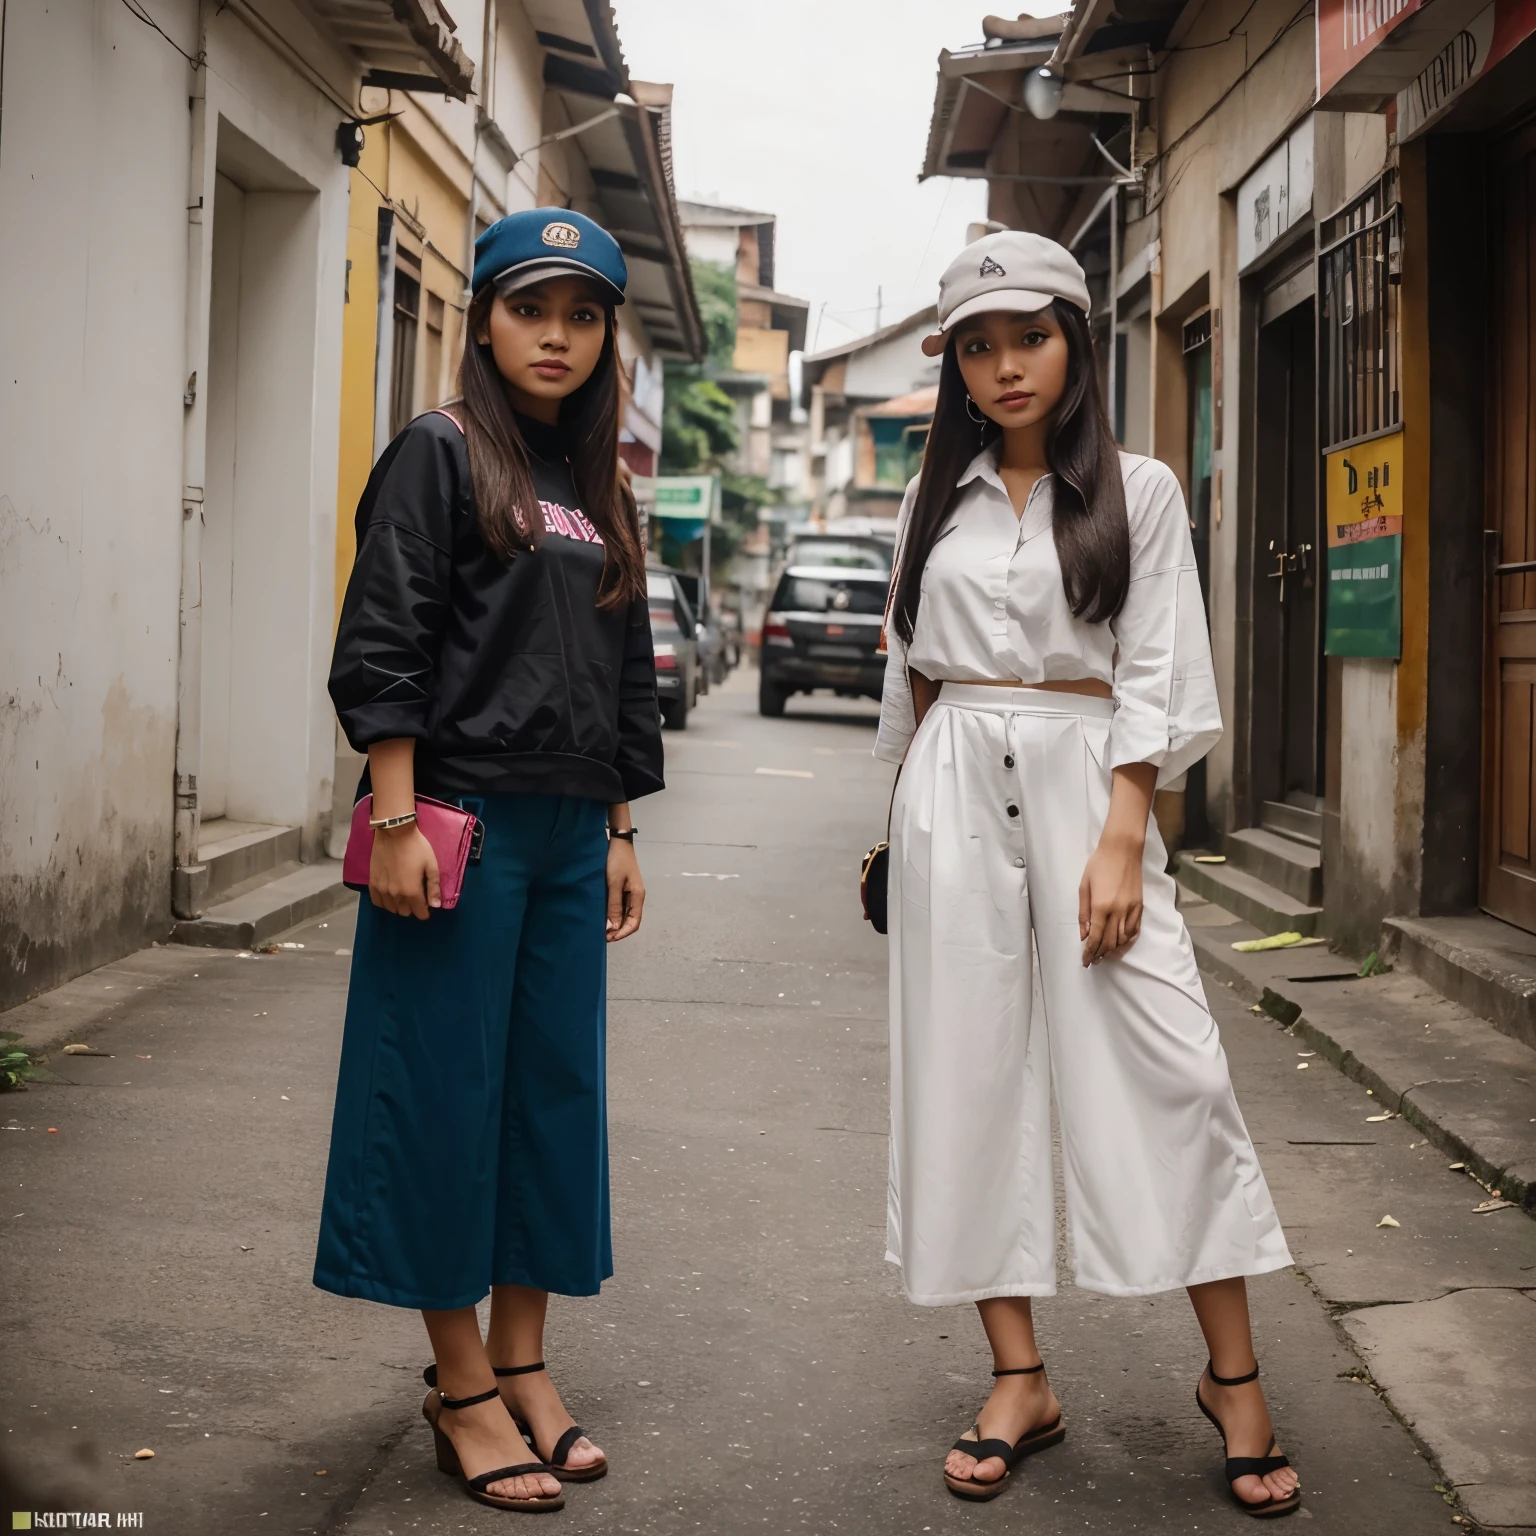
x=984, y=466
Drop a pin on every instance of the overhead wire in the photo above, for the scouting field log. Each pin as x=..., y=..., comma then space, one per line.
x=137, y=11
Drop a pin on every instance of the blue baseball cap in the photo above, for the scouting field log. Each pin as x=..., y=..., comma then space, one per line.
x=525, y=248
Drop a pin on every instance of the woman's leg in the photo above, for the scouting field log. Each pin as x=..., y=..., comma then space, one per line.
x=1018, y=1404
x=516, y=1337
x=483, y=1434
x=1222, y=1309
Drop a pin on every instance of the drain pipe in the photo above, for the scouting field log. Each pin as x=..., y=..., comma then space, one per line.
x=189, y=879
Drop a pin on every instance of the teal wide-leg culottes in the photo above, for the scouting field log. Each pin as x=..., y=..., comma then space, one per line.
x=469, y=1146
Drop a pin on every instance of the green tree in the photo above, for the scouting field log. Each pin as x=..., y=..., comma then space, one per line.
x=698, y=427
x=700, y=431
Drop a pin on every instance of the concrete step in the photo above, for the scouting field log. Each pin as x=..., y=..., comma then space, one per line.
x=1293, y=821
x=259, y=908
x=1293, y=867
x=1253, y=900
x=1486, y=966
x=1303, y=801
x=235, y=851
x=1468, y=1086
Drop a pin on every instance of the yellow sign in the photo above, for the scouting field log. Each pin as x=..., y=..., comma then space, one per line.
x=1365, y=490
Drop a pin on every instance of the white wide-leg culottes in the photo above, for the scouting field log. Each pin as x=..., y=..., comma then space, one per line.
x=999, y=804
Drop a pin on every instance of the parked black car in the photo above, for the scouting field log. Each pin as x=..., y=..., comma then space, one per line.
x=822, y=630
x=674, y=633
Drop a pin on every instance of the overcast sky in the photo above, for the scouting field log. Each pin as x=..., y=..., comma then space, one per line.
x=817, y=111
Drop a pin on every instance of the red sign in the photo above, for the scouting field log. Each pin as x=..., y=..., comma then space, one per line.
x=1347, y=30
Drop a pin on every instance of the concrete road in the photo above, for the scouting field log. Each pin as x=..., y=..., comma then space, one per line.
x=753, y=1365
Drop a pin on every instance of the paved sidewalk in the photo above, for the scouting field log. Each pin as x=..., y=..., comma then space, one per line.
x=1445, y=1322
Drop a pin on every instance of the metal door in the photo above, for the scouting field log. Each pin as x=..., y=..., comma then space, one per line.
x=1286, y=743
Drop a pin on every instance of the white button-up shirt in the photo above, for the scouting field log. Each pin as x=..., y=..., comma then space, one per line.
x=993, y=609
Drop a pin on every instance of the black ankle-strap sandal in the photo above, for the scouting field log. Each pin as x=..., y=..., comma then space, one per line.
x=436, y=1404
x=563, y=1446
x=1011, y=1454
x=1249, y=1466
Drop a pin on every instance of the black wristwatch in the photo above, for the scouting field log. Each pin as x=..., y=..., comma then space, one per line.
x=628, y=833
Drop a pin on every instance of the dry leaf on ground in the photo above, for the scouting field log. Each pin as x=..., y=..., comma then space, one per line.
x=1389, y=1221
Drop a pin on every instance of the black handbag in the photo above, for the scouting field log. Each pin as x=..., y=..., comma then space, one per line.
x=874, y=883
x=875, y=872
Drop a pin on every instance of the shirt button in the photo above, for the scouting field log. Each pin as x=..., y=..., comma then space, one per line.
x=1013, y=810
x=1018, y=863
x=1008, y=761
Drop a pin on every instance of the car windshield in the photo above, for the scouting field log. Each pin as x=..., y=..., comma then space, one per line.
x=826, y=594
x=843, y=552
x=658, y=588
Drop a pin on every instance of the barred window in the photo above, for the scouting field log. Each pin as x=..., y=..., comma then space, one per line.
x=1359, y=273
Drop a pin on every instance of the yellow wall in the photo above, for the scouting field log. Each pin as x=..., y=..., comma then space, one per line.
x=421, y=174
x=359, y=342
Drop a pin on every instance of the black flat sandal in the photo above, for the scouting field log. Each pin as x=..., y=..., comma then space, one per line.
x=477, y=1487
x=1249, y=1466
x=563, y=1446
x=1041, y=1438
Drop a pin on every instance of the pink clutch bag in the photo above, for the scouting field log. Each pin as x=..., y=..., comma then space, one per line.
x=450, y=831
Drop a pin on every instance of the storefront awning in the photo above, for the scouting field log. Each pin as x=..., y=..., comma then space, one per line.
x=629, y=155
x=402, y=44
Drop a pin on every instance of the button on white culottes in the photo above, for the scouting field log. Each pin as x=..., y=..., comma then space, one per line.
x=999, y=804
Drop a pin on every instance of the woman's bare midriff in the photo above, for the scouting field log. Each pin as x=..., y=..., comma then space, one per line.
x=1094, y=686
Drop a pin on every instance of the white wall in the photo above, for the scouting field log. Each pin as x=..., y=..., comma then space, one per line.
x=93, y=183
x=273, y=131
x=712, y=242
x=103, y=312
x=893, y=367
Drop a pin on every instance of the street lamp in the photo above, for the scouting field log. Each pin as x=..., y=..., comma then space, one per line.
x=1042, y=92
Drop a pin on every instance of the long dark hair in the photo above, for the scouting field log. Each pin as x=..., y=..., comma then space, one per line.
x=1093, y=539
x=505, y=499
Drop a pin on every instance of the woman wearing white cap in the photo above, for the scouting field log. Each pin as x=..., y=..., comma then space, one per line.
x=1049, y=667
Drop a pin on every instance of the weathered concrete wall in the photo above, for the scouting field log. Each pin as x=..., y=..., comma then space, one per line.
x=96, y=443
x=93, y=180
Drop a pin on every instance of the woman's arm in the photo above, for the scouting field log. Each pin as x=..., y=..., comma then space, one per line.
x=626, y=890
x=1109, y=898
x=403, y=873
x=925, y=693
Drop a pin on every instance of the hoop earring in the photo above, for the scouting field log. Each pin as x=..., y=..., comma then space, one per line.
x=975, y=412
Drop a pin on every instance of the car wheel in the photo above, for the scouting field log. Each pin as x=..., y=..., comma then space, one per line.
x=770, y=699
x=674, y=714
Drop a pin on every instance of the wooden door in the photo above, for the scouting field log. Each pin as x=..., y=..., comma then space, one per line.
x=1286, y=743
x=1509, y=736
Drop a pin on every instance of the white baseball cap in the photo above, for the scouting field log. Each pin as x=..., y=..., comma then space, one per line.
x=1011, y=271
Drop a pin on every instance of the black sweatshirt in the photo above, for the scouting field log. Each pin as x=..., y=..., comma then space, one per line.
x=509, y=675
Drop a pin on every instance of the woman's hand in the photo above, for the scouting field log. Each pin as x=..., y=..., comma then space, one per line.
x=1109, y=898
x=626, y=890
x=402, y=875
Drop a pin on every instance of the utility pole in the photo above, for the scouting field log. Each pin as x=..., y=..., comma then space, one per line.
x=879, y=304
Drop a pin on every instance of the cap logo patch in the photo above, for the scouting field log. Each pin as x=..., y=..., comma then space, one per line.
x=989, y=268
x=565, y=237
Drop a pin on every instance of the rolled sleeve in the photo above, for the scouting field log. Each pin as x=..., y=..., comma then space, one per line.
x=1166, y=709
x=640, y=755
x=898, y=718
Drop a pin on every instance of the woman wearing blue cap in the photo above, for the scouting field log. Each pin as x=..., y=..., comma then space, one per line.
x=1049, y=667
x=494, y=653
